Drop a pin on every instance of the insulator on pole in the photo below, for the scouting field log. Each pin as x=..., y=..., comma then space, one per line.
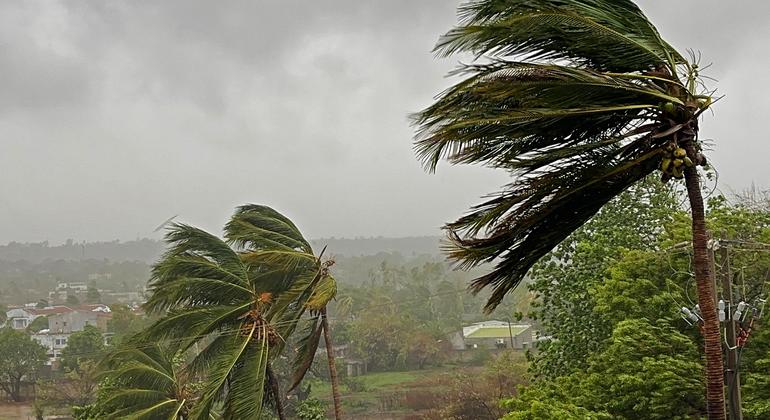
x=722, y=315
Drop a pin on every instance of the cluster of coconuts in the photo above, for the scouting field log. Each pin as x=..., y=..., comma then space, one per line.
x=675, y=160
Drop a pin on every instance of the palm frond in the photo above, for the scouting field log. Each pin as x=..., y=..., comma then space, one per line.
x=192, y=325
x=508, y=114
x=260, y=227
x=196, y=291
x=607, y=35
x=323, y=293
x=533, y=215
x=246, y=387
x=307, y=346
x=221, y=368
x=187, y=240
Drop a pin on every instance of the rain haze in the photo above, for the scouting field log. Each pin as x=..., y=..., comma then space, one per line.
x=118, y=115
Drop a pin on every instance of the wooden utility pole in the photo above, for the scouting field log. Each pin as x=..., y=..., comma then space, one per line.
x=732, y=374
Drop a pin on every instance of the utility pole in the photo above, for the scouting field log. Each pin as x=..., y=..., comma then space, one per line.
x=732, y=374
x=510, y=332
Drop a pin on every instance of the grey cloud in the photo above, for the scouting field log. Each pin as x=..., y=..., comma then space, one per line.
x=116, y=115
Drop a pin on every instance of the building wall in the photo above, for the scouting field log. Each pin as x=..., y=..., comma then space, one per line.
x=72, y=321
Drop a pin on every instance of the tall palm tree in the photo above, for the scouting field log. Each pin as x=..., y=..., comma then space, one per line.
x=578, y=99
x=146, y=383
x=267, y=238
x=211, y=300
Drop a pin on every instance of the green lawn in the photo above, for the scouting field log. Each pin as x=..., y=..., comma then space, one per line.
x=377, y=384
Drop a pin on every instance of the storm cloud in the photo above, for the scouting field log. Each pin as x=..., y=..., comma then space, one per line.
x=116, y=115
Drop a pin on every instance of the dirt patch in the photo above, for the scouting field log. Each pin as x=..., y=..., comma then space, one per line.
x=16, y=411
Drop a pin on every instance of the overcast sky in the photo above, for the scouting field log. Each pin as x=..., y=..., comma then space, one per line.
x=116, y=115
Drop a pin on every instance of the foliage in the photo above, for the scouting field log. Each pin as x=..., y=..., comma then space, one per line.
x=93, y=295
x=566, y=99
x=311, y=409
x=74, y=388
x=238, y=302
x=39, y=323
x=21, y=359
x=756, y=391
x=472, y=396
x=124, y=322
x=355, y=384
x=565, y=282
x=645, y=371
x=82, y=346
x=145, y=381
x=72, y=300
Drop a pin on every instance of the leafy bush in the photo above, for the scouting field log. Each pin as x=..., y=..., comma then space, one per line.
x=355, y=384
x=311, y=409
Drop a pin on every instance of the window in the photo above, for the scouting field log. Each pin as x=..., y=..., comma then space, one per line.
x=65, y=323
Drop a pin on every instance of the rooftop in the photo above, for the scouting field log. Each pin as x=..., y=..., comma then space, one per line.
x=497, y=332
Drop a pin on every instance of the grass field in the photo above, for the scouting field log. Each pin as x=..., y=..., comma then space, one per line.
x=385, y=392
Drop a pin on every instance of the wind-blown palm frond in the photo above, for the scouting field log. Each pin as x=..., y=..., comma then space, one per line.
x=260, y=227
x=601, y=34
x=231, y=309
x=305, y=353
x=576, y=118
x=148, y=385
x=282, y=261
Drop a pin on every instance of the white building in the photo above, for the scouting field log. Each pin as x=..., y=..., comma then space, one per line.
x=53, y=342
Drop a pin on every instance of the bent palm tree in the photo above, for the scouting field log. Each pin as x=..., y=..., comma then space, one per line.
x=578, y=100
x=211, y=299
x=269, y=239
x=148, y=384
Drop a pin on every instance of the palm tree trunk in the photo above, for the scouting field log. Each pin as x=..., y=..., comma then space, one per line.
x=276, y=390
x=715, y=399
x=332, y=366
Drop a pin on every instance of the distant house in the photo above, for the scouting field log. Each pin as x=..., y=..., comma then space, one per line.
x=76, y=319
x=492, y=335
x=62, y=323
x=53, y=342
x=20, y=318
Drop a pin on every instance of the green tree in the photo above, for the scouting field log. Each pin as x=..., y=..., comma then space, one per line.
x=39, y=323
x=564, y=281
x=578, y=100
x=757, y=390
x=21, y=360
x=646, y=371
x=72, y=300
x=266, y=237
x=311, y=409
x=144, y=382
x=82, y=346
x=93, y=295
x=3, y=313
x=237, y=306
x=124, y=322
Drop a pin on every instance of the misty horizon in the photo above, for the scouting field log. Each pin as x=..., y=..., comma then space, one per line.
x=117, y=116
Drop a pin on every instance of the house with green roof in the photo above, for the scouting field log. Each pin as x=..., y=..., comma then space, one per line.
x=493, y=335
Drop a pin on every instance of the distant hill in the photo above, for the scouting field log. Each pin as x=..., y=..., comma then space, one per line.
x=149, y=250
x=144, y=250
x=407, y=247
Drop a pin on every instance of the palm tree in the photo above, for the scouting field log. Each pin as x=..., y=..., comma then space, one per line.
x=578, y=100
x=145, y=382
x=212, y=300
x=267, y=238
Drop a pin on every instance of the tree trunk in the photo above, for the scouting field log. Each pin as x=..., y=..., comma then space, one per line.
x=276, y=390
x=715, y=399
x=332, y=366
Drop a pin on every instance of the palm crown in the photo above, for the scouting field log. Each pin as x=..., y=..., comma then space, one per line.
x=577, y=99
x=236, y=305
